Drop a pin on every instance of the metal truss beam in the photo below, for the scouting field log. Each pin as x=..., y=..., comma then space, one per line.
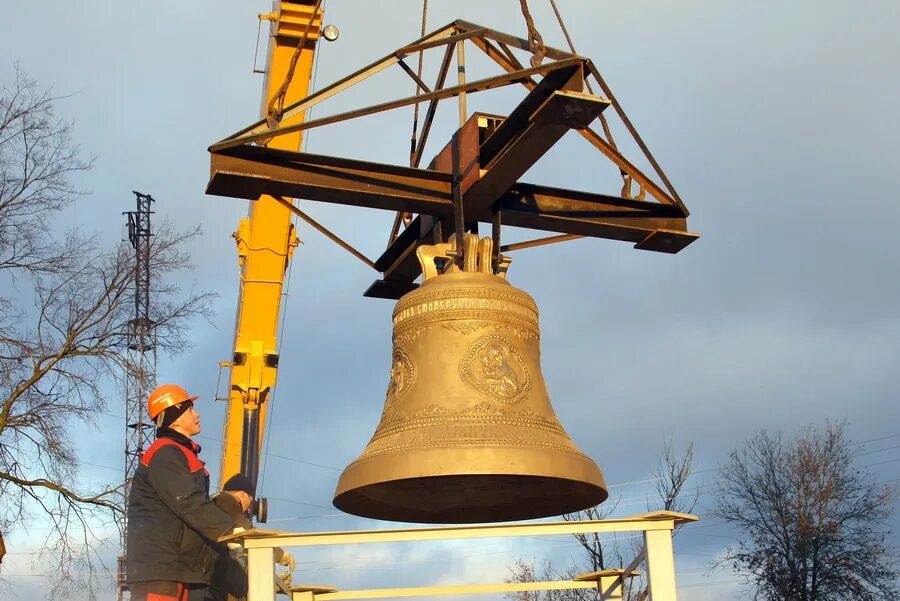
x=487, y=158
x=249, y=172
x=475, y=86
x=390, y=187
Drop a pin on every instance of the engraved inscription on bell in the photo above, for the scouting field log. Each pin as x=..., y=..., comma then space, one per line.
x=494, y=367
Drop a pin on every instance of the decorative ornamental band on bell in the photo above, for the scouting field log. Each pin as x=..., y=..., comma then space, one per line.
x=467, y=433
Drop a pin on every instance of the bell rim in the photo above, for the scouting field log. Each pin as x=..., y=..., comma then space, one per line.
x=477, y=461
x=570, y=495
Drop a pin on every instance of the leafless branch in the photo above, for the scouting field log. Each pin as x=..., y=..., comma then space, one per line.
x=813, y=522
x=600, y=554
x=65, y=308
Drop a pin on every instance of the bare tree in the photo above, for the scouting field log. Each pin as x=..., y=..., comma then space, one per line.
x=813, y=522
x=669, y=480
x=594, y=557
x=64, y=311
x=522, y=571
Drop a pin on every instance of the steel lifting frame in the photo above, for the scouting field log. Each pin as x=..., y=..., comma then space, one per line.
x=476, y=174
x=656, y=556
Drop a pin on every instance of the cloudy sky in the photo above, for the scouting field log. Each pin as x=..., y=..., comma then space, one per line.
x=775, y=121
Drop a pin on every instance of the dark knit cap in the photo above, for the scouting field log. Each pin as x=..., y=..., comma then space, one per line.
x=173, y=413
x=240, y=482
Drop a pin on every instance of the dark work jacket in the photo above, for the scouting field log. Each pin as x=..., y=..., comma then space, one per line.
x=172, y=523
x=229, y=574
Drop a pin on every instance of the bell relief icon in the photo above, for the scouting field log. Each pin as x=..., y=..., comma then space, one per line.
x=494, y=367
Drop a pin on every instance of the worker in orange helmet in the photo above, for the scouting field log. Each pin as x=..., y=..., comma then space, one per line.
x=172, y=523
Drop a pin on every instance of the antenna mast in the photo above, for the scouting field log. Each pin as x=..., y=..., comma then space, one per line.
x=140, y=375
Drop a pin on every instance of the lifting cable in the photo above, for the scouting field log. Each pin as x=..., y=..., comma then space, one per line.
x=565, y=31
x=535, y=41
x=276, y=104
x=404, y=217
x=626, y=179
x=419, y=90
x=415, y=126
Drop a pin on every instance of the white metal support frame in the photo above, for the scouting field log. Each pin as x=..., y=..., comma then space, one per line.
x=660, y=563
x=657, y=554
x=260, y=582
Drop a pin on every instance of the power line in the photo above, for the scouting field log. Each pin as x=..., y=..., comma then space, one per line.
x=861, y=442
x=877, y=451
x=299, y=503
x=702, y=584
x=218, y=441
x=622, y=502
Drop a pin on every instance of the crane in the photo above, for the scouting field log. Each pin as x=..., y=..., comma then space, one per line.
x=265, y=244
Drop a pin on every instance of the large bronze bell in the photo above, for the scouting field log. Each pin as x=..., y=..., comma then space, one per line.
x=467, y=433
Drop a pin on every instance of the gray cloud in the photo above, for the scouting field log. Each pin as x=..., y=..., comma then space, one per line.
x=775, y=121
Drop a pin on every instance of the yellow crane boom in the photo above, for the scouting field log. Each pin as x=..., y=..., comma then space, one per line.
x=266, y=241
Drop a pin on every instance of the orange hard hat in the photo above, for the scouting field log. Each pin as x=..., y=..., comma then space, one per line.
x=165, y=396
